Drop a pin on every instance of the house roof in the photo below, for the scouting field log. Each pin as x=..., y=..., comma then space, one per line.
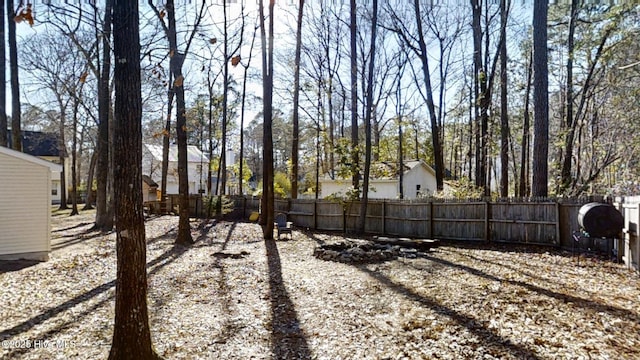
x=30, y=158
x=386, y=170
x=149, y=181
x=38, y=143
x=193, y=153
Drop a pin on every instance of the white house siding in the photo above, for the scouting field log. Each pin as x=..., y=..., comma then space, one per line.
x=25, y=206
x=378, y=189
x=419, y=175
x=196, y=161
x=56, y=186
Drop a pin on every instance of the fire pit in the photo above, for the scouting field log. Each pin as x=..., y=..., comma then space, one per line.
x=376, y=250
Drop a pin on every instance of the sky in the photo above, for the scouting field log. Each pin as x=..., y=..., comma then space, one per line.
x=284, y=23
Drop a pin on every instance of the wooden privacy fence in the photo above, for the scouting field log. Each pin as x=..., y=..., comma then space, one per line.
x=548, y=222
x=629, y=245
x=545, y=222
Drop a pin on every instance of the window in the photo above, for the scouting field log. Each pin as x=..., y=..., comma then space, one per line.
x=418, y=190
x=54, y=191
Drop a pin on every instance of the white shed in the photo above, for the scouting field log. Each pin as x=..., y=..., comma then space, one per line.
x=25, y=205
x=419, y=179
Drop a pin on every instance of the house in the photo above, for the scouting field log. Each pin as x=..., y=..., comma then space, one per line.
x=419, y=179
x=25, y=205
x=46, y=146
x=197, y=163
x=149, y=189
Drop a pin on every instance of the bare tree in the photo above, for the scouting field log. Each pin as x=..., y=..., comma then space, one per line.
x=131, y=334
x=267, y=89
x=104, y=205
x=367, y=121
x=504, y=116
x=539, y=186
x=355, y=154
x=176, y=62
x=524, y=188
x=296, y=103
x=242, y=111
x=15, y=82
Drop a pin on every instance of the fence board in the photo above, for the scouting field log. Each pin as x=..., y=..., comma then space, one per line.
x=457, y=220
x=302, y=213
x=408, y=219
x=522, y=222
x=329, y=216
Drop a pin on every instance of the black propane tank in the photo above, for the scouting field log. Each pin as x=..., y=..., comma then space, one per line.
x=600, y=220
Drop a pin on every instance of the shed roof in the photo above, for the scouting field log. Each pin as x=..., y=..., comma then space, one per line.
x=30, y=158
x=193, y=153
x=149, y=181
x=387, y=170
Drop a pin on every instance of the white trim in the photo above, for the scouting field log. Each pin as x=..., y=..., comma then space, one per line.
x=31, y=159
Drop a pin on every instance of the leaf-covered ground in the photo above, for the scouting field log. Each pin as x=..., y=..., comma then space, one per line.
x=233, y=296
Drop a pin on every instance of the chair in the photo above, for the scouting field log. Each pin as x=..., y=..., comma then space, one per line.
x=283, y=226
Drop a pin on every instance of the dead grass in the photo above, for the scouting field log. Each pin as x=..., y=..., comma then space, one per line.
x=277, y=301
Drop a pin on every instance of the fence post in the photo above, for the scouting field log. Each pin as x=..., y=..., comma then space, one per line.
x=430, y=220
x=244, y=206
x=315, y=214
x=634, y=254
x=384, y=203
x=487, y=215
x=344, y=217
x=558, y=217
x=619, y=246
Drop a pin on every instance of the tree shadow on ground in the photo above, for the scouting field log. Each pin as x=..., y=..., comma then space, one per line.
x=288, y=340
x=509, y=267
x=575, y=300
x=70, y=240
x=72, y=227
x=230, y=325
x=153, y=267
x=488, y=337
x=206, y=238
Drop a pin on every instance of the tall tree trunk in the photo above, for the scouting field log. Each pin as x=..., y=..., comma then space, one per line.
x=504, y=116
x=367, y=122
x=16, y=132
x=104, y=209
x=355, y=153
x=296, y=100
x=62, y=153
x=267, y=138
x=565, y=172
x=435, y=130
x=242, y=113
x=539, y=186
x=74, y=159
x=524, y=157
x=399, y=117
x=131, y=333
x=88, y=204
x=225, y=98
x=175, y=64
x=3, y=80
x=478, y=76
x=166, y=142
